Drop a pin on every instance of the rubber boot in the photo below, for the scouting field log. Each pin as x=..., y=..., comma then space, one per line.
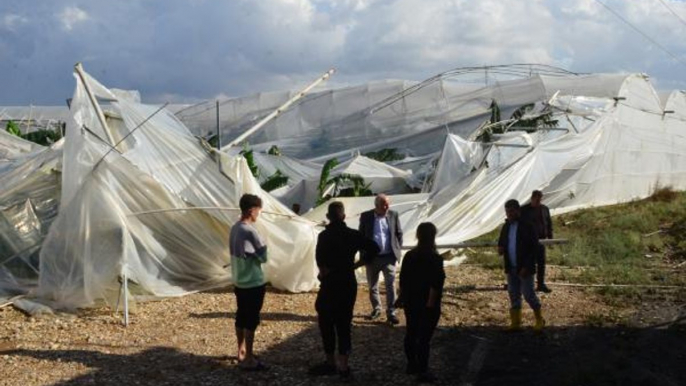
x=540, y=322
x=515, y=319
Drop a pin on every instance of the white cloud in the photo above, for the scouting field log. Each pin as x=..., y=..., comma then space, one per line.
x=71, y=16
x=12, y=21
x=198, y=49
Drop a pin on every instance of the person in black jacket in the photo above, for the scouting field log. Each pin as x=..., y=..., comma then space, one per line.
x=518, y=244
x=421, y=289
x=539, y=215
x=335, y=254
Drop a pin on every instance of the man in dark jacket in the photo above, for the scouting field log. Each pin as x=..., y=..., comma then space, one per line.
x=518, y=244
x=335, y=254
x=383, y=226
x=539, y=215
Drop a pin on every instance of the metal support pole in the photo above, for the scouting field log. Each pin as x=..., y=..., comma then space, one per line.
x=278, y=111
x=486, y=244
x=101, y=117
x=219, y=134
x=125, y=286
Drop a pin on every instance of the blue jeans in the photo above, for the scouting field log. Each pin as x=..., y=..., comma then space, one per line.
x=518, y=286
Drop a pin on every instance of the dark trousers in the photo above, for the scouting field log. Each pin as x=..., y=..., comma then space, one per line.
x=421, y=324
x=540, y=265
x=248, y=306
x=334, y=305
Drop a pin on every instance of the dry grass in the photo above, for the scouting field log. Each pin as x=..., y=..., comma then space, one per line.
x=664, y=194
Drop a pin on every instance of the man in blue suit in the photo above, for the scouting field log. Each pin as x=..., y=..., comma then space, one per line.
x=518, y=244
x=383, y=226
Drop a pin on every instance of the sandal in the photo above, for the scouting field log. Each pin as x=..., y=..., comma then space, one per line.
x=258, y=367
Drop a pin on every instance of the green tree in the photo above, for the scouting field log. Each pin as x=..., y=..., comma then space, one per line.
x=385, y=155
x=344, y=185
x=275, y=181
x=324, y=178
x=358, y=188
x=247, y=153
x=13, y=128
x=535, y=123
x=42, y=137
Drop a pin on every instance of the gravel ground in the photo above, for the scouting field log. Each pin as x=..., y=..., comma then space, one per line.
x=189, y=340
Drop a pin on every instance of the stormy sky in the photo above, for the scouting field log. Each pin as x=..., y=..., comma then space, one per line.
x=188, y=50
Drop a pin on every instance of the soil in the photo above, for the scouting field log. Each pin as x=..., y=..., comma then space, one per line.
x=589, y=340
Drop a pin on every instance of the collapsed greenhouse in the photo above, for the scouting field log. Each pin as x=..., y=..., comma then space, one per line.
x=136, y=194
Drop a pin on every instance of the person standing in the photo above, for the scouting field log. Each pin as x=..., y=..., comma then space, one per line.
x=518, y=244
x=539, y=215
x=383, y=226
x=335, y=255
x=248, y=253
x=421, y=289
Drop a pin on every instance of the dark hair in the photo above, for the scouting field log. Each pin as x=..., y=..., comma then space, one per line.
x=249, y=201
x=512, y=204
x=336, y=211
x=426, y=236
x=537, y=193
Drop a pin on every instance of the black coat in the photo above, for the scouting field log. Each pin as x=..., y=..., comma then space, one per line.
x=543, y=224
x=527, y=246
x=367, y=229
x=336, y=249
x=421, y=271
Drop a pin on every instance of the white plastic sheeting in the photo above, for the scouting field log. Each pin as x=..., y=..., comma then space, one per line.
x=380, y=177
x=32, y=118
x=296, y=170
x=626, y=149
x=122, y=211
x=158, y=208
x=29, y=200
x=407, y=206
x=13, y=149
x=344, y=122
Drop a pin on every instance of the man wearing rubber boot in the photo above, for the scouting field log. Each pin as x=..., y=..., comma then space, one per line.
x=518, y=244
x=539, y=215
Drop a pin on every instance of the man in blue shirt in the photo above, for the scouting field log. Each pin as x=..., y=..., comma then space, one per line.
x=383, y=226
x=518, y=244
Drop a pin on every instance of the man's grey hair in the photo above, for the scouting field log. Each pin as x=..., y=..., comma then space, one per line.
x=380, y=197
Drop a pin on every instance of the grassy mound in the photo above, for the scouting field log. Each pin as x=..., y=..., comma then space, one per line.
x=636, y=243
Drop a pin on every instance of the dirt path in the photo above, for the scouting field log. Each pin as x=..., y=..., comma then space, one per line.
x=189, y=340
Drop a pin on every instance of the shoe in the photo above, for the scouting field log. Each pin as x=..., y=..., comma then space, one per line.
x=411, y=369
x=426, y=377
x=258, y=367
x=543, y=288
x=515, y=319
x=322, y=369
x=540, y=322
x=393, y=320
x=376, y=314
x=346, y=375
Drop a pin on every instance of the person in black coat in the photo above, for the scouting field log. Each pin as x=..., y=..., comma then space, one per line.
x=539, y=215
x=421, y=289
x=518, y=244
x=335, y=255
